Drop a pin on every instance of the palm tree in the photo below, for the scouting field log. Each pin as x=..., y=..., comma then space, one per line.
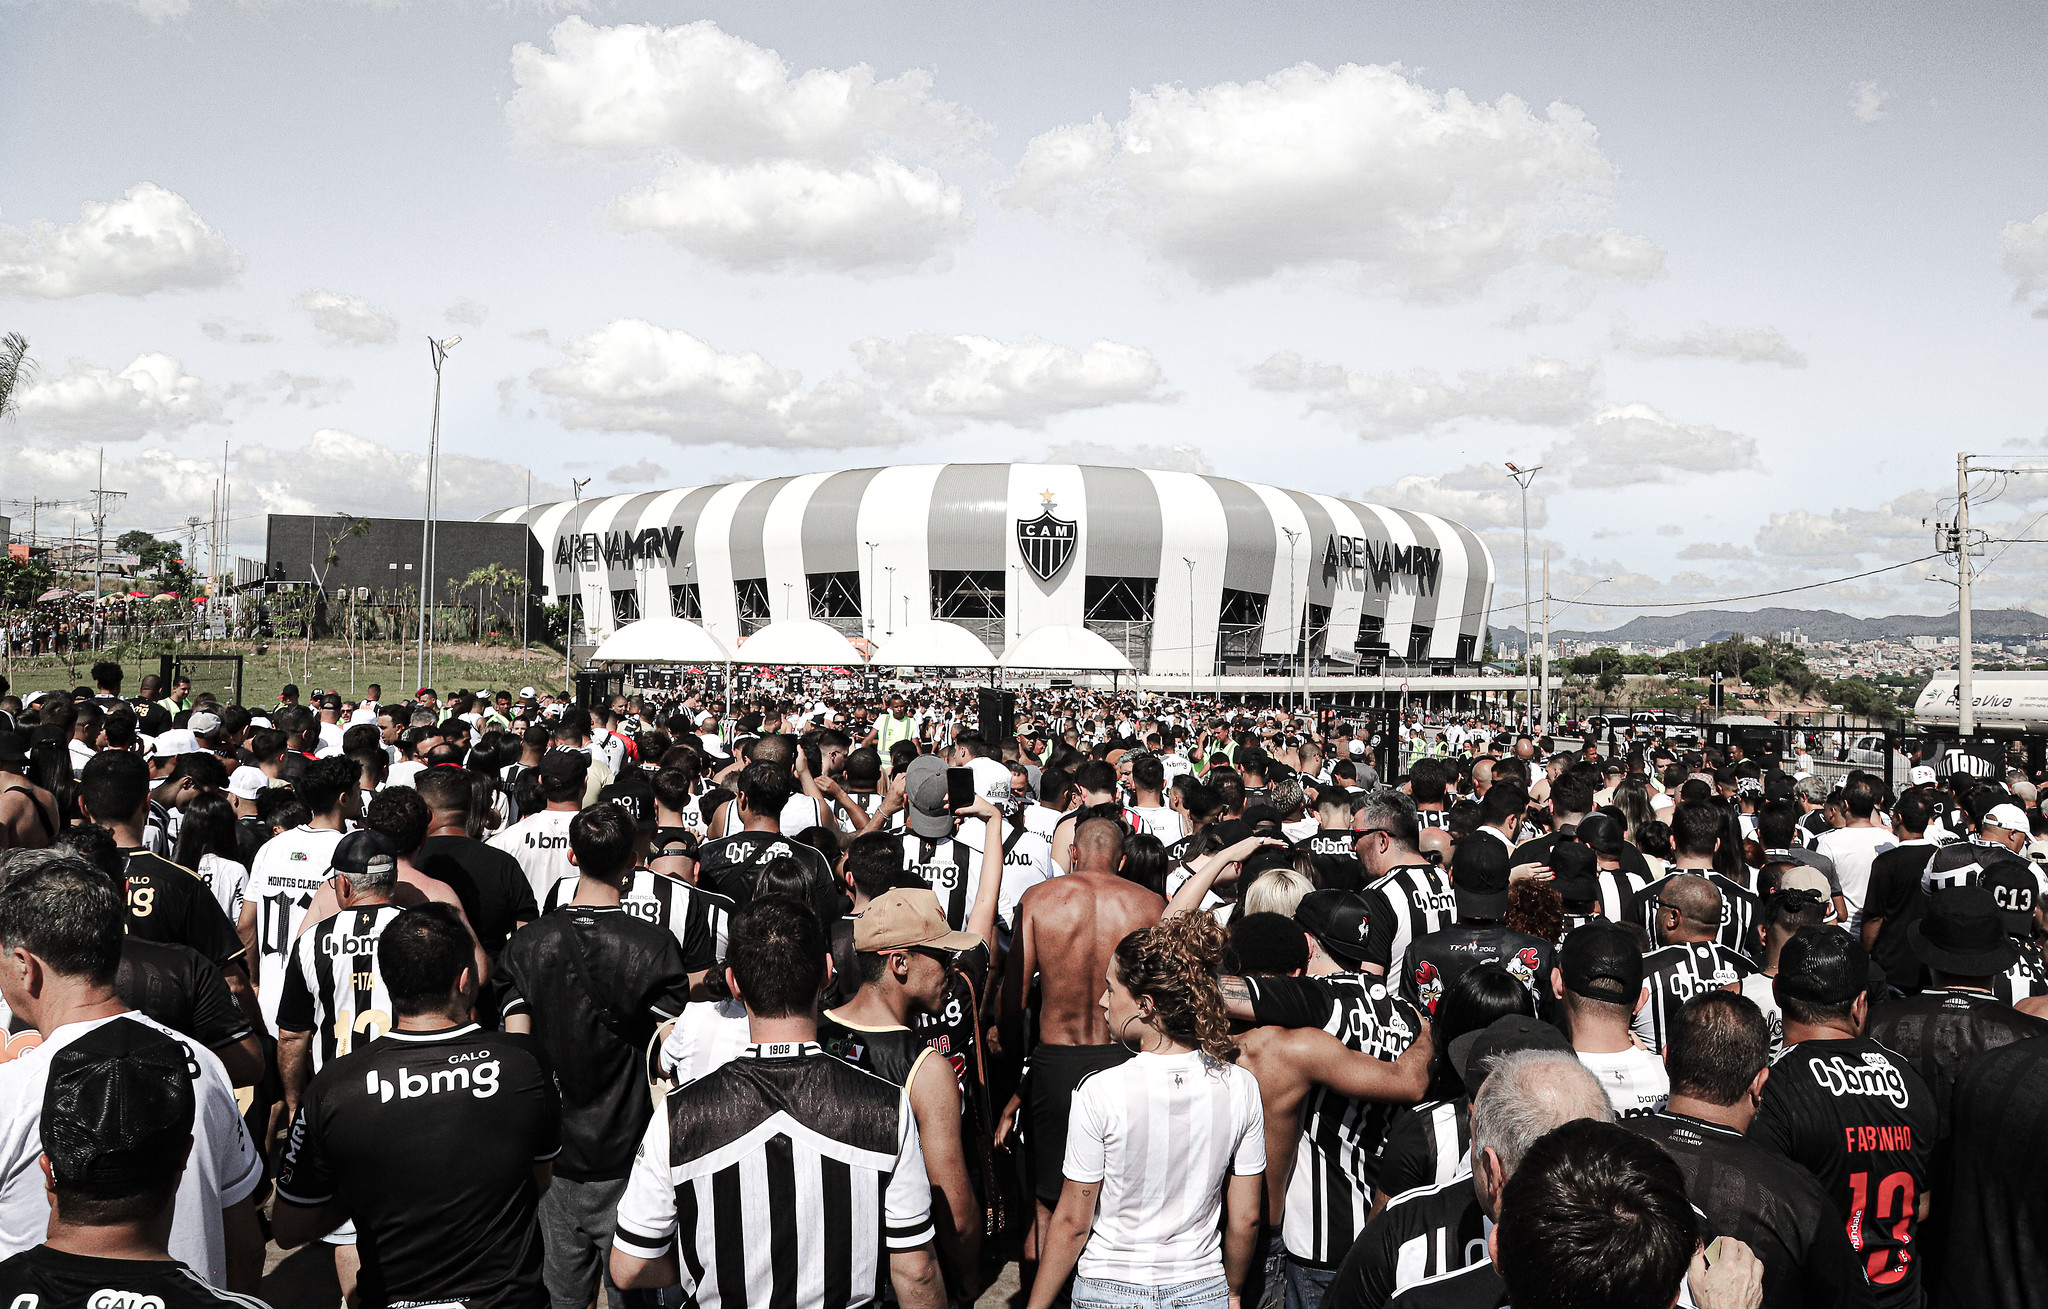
x=15, y=367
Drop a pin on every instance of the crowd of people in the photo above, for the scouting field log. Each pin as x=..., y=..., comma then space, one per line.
x=819, y=1000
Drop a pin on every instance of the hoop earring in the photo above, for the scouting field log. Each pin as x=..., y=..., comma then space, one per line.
x=1123, y=1041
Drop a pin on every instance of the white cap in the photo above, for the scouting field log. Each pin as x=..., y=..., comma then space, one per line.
x=1662, y=801
x=247, y=783
x=1921, y=775
x=258, y=720
x=202, y=723
x=177, y=741
x=526, y=693
x=1357, y=746
x=2008, y=816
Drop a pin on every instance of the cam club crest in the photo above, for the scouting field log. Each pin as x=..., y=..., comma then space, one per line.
x=1047, y=541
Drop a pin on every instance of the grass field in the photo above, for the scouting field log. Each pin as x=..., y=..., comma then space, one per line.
x=330, y=665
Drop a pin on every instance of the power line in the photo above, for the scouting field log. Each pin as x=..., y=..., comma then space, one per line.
x=1724, y=599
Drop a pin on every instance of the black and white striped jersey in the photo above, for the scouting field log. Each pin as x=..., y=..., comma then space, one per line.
x=1618, y=891
x=1406, y=904
x=1420, y=1234
x=332, y=985
x=785, y=1177
x=1739, y=909
x=697, y=918
x=1427, y=1144
x=1678, y=972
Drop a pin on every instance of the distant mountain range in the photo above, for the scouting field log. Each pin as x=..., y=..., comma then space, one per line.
x=1702, y=625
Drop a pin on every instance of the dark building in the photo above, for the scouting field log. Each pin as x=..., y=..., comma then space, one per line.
x=386, y=559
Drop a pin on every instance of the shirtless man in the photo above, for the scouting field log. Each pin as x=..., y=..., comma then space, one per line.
x=1076, y=921
x=28, y=813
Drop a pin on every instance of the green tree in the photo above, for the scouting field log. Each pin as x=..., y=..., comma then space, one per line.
x=15, y=368
x=22, y=581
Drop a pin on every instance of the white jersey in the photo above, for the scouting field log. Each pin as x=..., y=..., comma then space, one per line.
x=705, y=1038
x=1026, y=863
x=1854, y=849
x=287, y=872
x=1162, y=821
x=799, y=813
x=1761, y=988
x=540, y=842
x=227, y=879
x=1634, y=1079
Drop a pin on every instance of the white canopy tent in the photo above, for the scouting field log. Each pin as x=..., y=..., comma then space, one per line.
x=662, y=641
x=798, y=643
x=1060, y=648
x=934, y=645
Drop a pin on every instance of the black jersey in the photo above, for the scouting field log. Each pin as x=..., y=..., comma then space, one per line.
x=893, y=1054
x=175, y=985
x=1994, y=1198
x=494, y=891
x=1419, y=1235
x=1406, y=904
x=1678, y=972
x=1427, y=1144
x=1475, y=1286
x=1771, y=1205
x=1337, y=1163
x=731, y=865
x=955, y=1030
x=1856, y=1116
x=1336, y=867
x=1739, y=909
x=2027, y=977
x=168, y=902
x=429, y=1140
x=43, y=1278
x=1894, y=896
x=1940, y=1032
x=695, y=917
x=1434, y=963
x=593, y=1015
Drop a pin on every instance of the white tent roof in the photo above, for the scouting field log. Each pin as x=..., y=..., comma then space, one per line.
x=663, y=640
x=1066, y=649
x=934, y=645
x=801, y=643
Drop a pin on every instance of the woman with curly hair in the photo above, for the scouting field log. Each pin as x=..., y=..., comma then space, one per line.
x=1165, y=1153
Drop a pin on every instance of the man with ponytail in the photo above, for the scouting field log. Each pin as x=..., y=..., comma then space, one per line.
x=1165, y=1153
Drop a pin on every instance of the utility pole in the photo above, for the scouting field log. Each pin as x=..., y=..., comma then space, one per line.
x=100, y=496
x=424, y=670
x=1966, y=713
x=1543, y=709
x=1191, y=626
x=1293, y=614
x=1522, y=478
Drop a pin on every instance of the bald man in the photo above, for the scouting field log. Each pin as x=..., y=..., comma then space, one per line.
x=1691, y=960
x=1435, y=842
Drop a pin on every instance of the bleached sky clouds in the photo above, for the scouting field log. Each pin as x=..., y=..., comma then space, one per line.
x=1741, y=277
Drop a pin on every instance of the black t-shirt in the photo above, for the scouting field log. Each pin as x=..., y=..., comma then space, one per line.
x=1426, y=1145
x=731, y=864
x=250, y=834
x=1856, y=1116
x=1475, y=1286
x=489, y=882
x=955, y=1032
x=1434, y=963
x=1994, y=1194
x=429, y=1140
x=641, y=980
x=1336, y=867
x=43, y=1278
x=1772, y=1206
x=1940, y=1032
x=168, y=902
x=1894, y=895
x=175, y=985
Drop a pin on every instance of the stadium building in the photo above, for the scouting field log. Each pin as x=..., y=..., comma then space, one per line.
x=1245, y=577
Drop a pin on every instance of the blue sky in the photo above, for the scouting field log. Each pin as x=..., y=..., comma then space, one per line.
x=1742, y=279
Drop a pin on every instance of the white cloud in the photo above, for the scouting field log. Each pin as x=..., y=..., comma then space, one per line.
x=348, y=319
x=156, y=11
x=1716, y=550
x=1867, y=101
x=466, y=312
x=308, y=390
x=1634, y=444
x=149, y=240
x=957, y=379
x=1478, y=495
x=1845, y=534
x=1364, y=170
x=1547, y=391
x=1747, y=345
x=2026, y=261
x=91, y=404
x=632, y=376
x=229, y=329
x=639, y=472
x=763, y=169
x=1162, y=458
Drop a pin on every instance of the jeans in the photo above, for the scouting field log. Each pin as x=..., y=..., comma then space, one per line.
x=1203, y=1293
x=1306, y=1285
x=576, y=1221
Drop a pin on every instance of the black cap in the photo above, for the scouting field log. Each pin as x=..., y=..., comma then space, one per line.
x=1479, y=876
x=564, y=766
x=118, y=1107
x=1269, y=945
x=2010, y=880
x=1337, y=919
x=1602, y=833
x=13, y=748
x=1264, y=860
x=1823, y=965
x=1472, y=1051
x=1963, y=932
x=1574, y=872
x=365, y=851
x=634, y=794
x=1599, y=960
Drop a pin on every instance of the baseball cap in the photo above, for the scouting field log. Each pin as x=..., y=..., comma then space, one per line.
x=246, y=783
x=2012, y=887
x=1574, y=872
x=924, y=786
x=1357, y=747
x=177, y=741
x=365, y=851
x=203, y=724
x=1337, y=919
x=903, y=919
x=1269, y=944
x=1471, y=1052
x=1963, y=932
x=1823, y=965
x=2008, y=816
x=1801, y=877
x=1601, y=962
x=634, y=794
x=13, y=748
x=118, y=1107
x=1479, y=876
x=564, y=766
x=1921, y=775
x=1602, y=833
x=526, y=693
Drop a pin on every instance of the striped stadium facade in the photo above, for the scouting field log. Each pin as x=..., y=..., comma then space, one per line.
x=1163, y=564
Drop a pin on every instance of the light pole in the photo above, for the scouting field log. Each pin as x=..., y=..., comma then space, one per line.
x=1017, y=585
x=889, y=605
x=1293, y=614
x=1524, y=476
x=867, y=606
x=576, y=486
x=1191, y=627
x=424, y=671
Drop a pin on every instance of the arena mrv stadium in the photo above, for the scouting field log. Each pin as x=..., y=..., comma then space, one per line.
x=1247, y=577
